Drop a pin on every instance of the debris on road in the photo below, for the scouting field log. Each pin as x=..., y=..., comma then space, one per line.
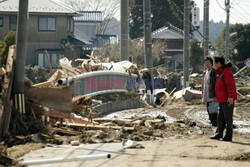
x=129, y=144
x=188, y=94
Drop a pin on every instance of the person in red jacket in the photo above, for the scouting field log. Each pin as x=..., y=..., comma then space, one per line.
x=225, y=93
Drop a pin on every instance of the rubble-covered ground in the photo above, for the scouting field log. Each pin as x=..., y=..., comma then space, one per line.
x=177, y=119
x=150, y=124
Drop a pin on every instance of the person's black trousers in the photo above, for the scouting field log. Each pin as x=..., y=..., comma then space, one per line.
x=225, y=120
x=212, y=116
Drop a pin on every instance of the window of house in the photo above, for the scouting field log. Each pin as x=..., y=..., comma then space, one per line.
x=1, y=21
x=54, y=58
x=13, y=23
x=70, y=25
x=47, y=24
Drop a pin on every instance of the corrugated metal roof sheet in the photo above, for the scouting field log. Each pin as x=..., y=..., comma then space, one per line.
x=90, y=16
x=81, y=35
x=82, y=40
x=37, y=6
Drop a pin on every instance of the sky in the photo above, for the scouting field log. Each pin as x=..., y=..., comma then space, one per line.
x=239, y=11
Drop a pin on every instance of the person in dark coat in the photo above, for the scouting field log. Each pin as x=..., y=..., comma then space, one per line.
x=208, y=88
x=225, y=92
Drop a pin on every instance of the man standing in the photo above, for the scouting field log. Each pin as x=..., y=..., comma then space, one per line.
x=208, y=88
x=225, y=92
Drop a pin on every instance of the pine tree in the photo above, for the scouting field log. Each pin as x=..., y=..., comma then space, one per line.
x=163, y=11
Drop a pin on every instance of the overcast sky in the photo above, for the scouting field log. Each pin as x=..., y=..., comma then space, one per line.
x=240, y=12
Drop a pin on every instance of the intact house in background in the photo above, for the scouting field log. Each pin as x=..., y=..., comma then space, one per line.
x=173, y=37
x=50, y=27
x=89, y=27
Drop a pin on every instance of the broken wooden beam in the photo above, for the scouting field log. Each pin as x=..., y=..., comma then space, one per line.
x=66, y=132
x=99, y=127
x=48, y=61
x=59, y=98
x=5, y=113
x=188, y=94
x=68, y=117
x=101, y=120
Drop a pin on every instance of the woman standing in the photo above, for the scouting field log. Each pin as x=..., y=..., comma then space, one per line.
x=208, y=88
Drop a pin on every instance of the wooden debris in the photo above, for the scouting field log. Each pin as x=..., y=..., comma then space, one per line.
x=192, y=94
x=99, y=127
x=83, y=104
x=67, y=67
x=52, y=81
x=66, y=132
x=48, y=61
x=2, y=72
x=5, y=113
x=55, y=98
x=102, y=120
x=137, y=122
x=68, y=117
x=188, y=94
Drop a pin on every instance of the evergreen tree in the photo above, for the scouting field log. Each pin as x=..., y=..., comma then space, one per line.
x=196, y=55
x=239, y=43
x=163, y=11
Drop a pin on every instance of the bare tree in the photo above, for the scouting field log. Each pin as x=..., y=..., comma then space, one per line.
x=109, y=8
x=112, y=51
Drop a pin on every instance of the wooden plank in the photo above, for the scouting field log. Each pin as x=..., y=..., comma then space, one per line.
x=54, y=98
x=46, y=84
x=66, y=132
x=65, y=115
x=56, y=114
x=5, y=114
x=48, y=61
x=101, y=120
x=99, y=127
x=67, y=67
x=52, y=81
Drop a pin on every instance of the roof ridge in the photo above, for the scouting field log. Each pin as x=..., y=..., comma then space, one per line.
x=174, y=28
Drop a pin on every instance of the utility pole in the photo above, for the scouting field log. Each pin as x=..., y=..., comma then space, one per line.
x=186, y=44
x=124, y=55
x=21, y=55
x=227, y=4
x=148, y=42
x=206, y=28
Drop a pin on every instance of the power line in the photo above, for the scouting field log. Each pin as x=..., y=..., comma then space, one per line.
x=220, y=5
x=239, y=13
x=243, y=9
x=195, y=28
x=236, y=4
x=216, y=10
x=237, y=19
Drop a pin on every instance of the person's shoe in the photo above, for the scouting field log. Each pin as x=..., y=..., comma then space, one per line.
x=216, y=137
x=227, y=138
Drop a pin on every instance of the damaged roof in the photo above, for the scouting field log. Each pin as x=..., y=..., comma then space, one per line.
x=37, y=6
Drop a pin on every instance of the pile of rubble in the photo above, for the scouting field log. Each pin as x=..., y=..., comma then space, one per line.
x=79, y=111
x=37, y=74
